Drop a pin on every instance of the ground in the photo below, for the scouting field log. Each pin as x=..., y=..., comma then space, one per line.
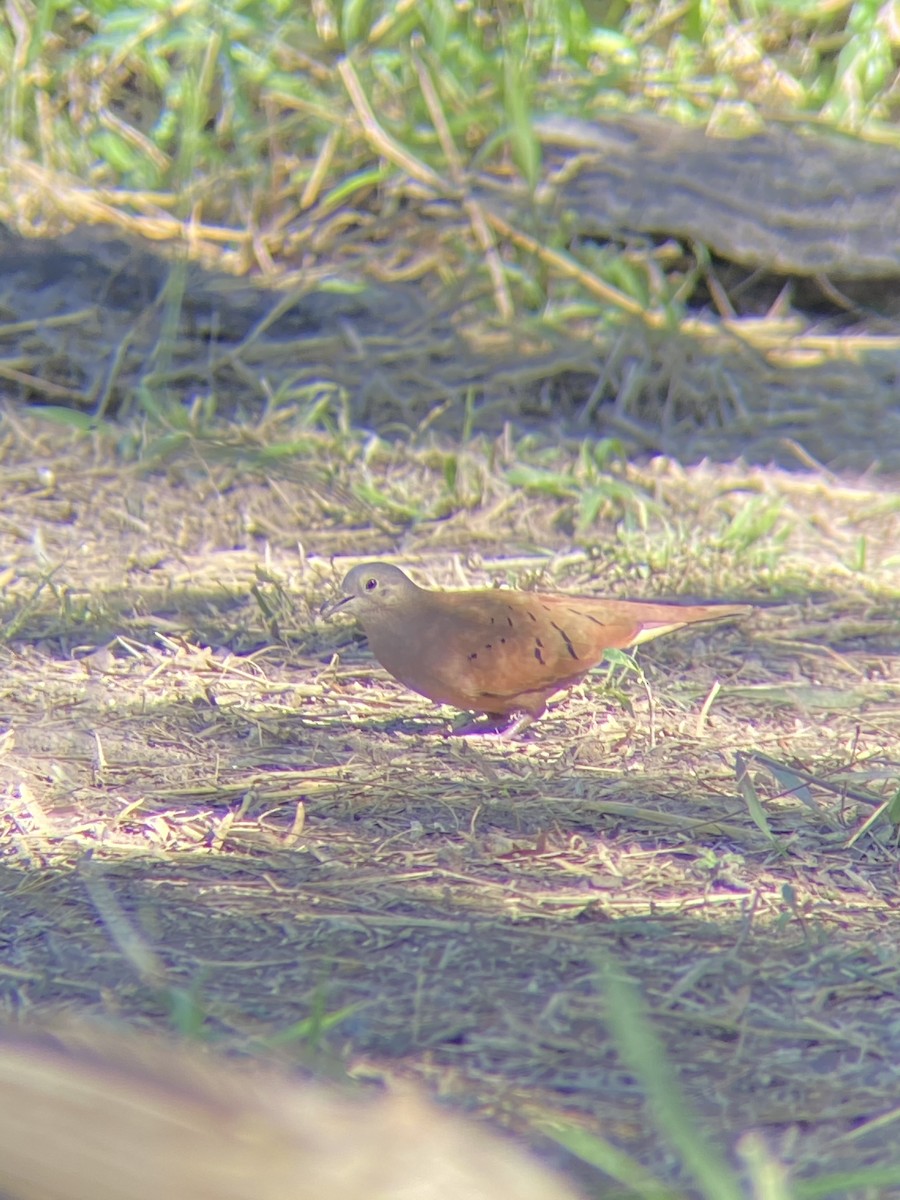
x=222, y=817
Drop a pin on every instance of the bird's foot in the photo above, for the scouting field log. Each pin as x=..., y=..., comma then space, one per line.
x=503, y=727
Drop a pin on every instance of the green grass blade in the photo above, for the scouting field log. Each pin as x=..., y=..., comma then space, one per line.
x=643, y=1053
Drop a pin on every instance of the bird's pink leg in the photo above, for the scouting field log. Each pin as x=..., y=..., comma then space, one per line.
x=503, y=726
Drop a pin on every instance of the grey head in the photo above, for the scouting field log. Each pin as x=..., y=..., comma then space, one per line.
x=373, y=587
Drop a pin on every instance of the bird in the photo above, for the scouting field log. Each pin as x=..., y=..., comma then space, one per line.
x=495, y=651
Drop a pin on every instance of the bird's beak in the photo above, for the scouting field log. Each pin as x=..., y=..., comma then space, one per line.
x=328, y=610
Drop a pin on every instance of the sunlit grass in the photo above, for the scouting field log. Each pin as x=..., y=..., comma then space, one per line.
x=241, y=114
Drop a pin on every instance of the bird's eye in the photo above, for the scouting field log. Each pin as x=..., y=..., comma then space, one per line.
x=371, y=585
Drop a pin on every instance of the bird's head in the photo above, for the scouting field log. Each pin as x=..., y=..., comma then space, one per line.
x=372, y=588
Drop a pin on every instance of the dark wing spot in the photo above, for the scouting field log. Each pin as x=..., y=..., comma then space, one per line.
x=503, y=641
x=538, y=655
x=473, y=656
x=565, y=637
x=489, y=645
x=586, y=616
x=531, y=614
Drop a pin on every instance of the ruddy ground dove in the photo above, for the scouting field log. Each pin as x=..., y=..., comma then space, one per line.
x=504, y=653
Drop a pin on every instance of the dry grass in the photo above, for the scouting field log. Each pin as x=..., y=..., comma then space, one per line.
x=219, y=814
x=220, y=817
x=102, y=328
